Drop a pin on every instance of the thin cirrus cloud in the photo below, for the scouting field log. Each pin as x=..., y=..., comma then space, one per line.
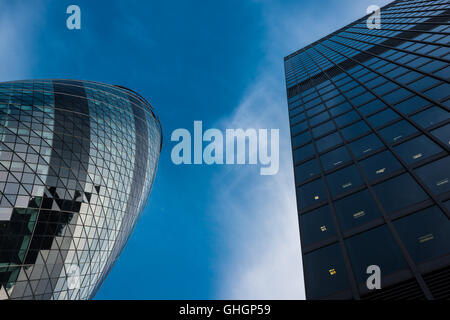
x=258, y=215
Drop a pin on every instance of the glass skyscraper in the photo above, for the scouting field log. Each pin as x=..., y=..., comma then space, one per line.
x=369, y=119
x=77, y=163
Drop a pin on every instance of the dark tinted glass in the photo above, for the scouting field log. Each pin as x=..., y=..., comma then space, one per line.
x=383, y=117
x=371, y=107
x=380, y=165
x=356, y=210
x=328, y=142
x=426, y=234
x=347, y=118
x=325, y=272
x=355, y=130
x=344, y=180
x=436, y=175
x=417, y=149
x=365, y=145
x=311, y=193
x=398, y=193
x=301, y=139
x=317, y=225
x=307, y=170
x=335, y=158
x=374, y=247
x=397, y=131
x=303, y=153
x=443, y=134
x=302, y=126
x=431, y=116
x=319, y=118
x=323, y=128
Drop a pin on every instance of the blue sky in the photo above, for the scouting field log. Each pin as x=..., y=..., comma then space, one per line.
x=222, y=232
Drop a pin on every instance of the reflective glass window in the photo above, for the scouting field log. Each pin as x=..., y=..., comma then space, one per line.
x=302, y=126
x=301, y=139
x=412, y=104
x=328, y=142
x=303, y=153
x=344, y=180
x=319, y=118
x=431, y=116
x=317, y=225
x=380, y=165
x=325, y=272
x=417, y=149
x=443, y=134
x=355, y=130
x=374, y=247
x=383, y=117
x=307, y=170
x=365, y=145
x=372, y=107
x=323, y=129
x=356, y=210
x=426, y=234
x=343, y=107
x=397, y=131
x=335, y=158
x=400, y=192
x=347, y=118
x=311, y=193
x=436, y=175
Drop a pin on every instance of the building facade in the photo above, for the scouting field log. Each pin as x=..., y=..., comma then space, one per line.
x=369, y=120
x=77, y=163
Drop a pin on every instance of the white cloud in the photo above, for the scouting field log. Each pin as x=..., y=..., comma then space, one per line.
x=258, y=215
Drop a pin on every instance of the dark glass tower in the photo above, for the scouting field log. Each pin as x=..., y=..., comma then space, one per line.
x=369, y=118
x=77, y=163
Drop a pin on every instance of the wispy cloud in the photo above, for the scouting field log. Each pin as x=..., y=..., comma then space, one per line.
x=257, y=215
x=18, y=21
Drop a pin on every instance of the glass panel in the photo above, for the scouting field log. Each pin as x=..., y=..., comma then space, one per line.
x=399, y=192
x=319, y=118
x=311, y=193
x=356, y=210
x=344, y=180
x=383, y=117
x=325, y=272
x=417, y=149
x=355, y=130
x=412, y=104
x=371, y=107
x=335, y=158
x=303, y=153
x=443, y=134
x=317, y=225
x=380, y=165
x=431, y=116
x=299, y=128
x=436, y=175
x=328, y=142
x=397, y=131
x=374, y=247
x=365, y=145
x=301, y=139
x=306, y=171
x=323, y=129
x=426, y=234
x=347, y=118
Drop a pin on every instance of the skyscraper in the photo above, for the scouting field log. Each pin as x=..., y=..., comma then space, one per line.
x=77, y=163
x=369, y=119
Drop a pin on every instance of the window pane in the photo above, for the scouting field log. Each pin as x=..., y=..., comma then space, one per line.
x=311, y=193
x=319, y=118
x=325, y=272
x=443, y=134
x=323, y=129
x=365, y=145
x=426, y=234
x=383, y=117
x=299, y=128
x=398, y=193
x=340, y=109
x=335, y=158
x=356, y=210
x=303, y=153
x=301, y=139
x=371, y=107
x=436, y=175
x=397, y=131
x=417, y=149
x=344, y=180
x=317, y=225
x=306, y=171
x=355, y=130
x=379, y=165
x=375, y=247
x=328, y=142
x=412, y=104
x=347, y=118
x=431, y=116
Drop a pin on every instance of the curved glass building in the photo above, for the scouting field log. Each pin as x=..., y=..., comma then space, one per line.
x=77, y=163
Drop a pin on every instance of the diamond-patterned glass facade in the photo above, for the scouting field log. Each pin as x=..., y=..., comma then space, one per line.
x=77, y=163
x=370, y=127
